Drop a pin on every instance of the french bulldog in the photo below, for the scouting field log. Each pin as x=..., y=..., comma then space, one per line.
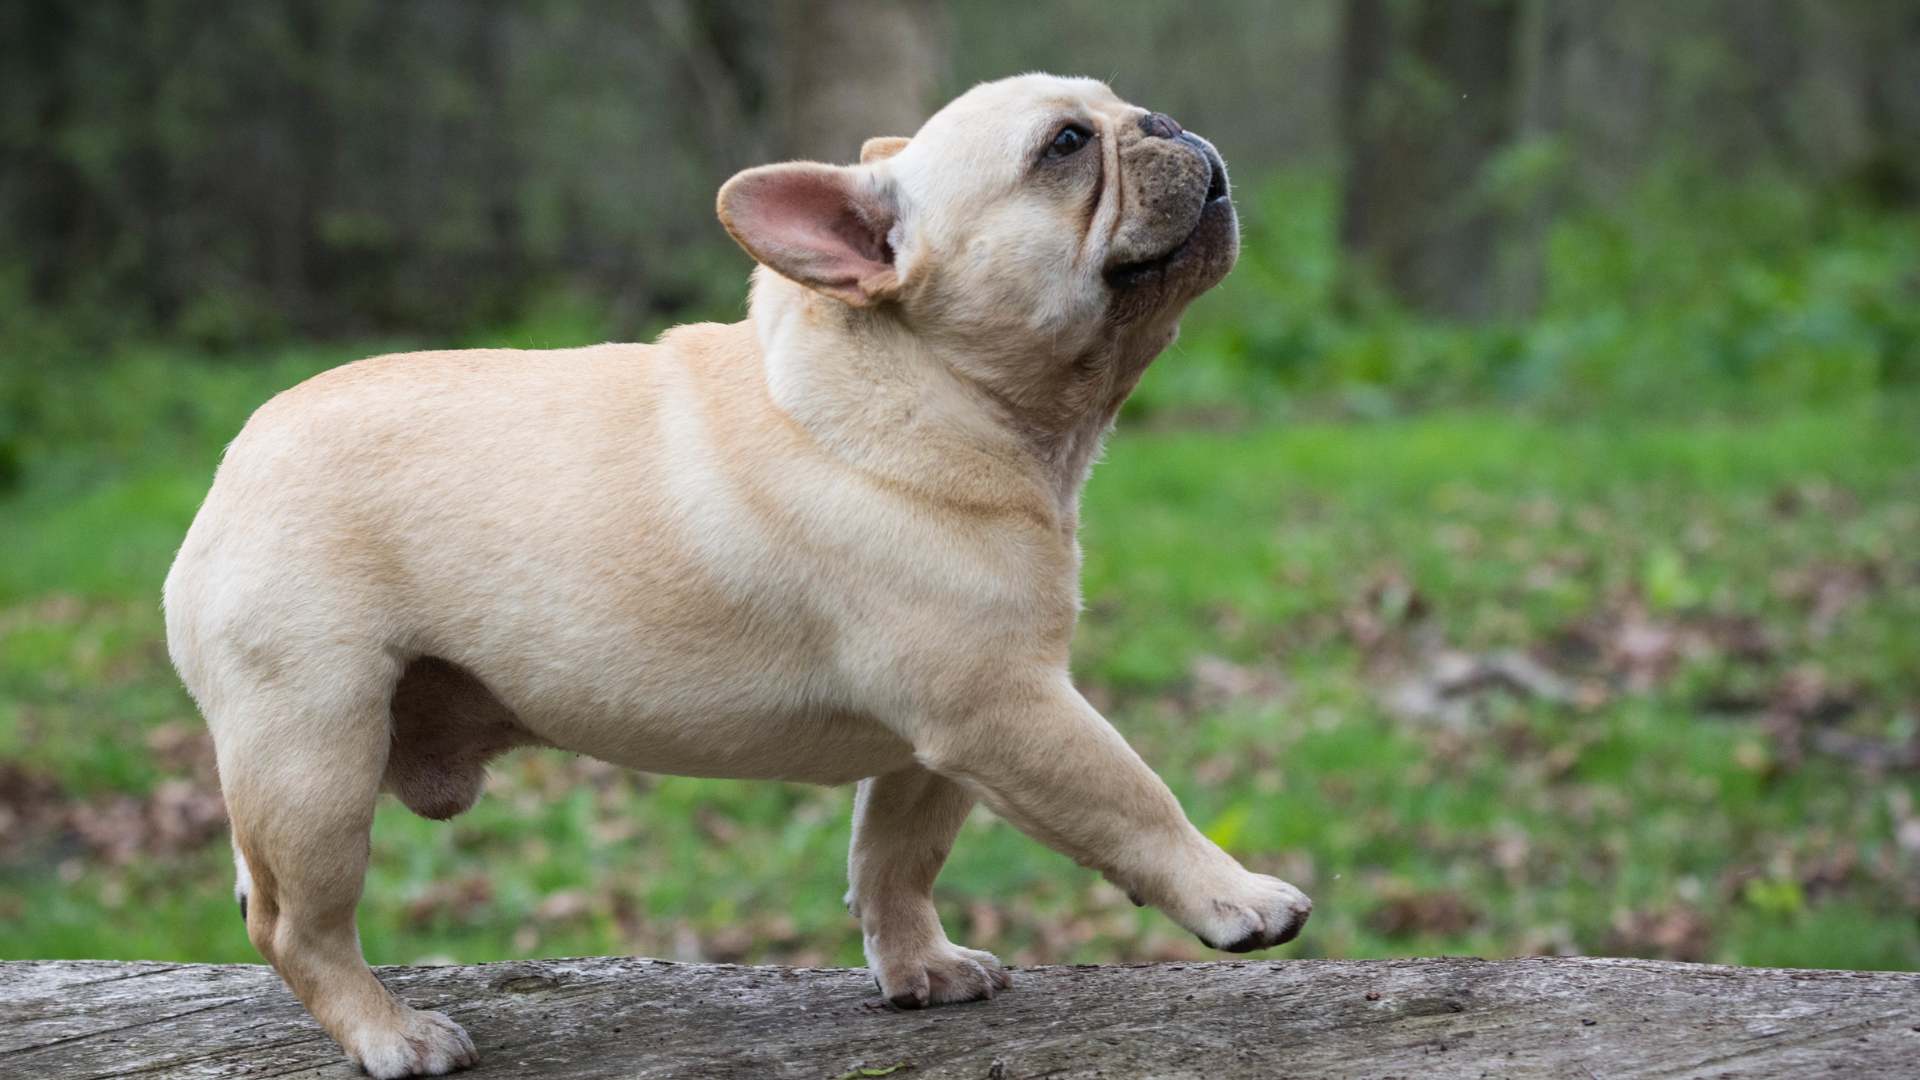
x=832, y=543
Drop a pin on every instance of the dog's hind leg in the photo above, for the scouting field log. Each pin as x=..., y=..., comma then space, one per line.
x=903, y=825
x=301, y=759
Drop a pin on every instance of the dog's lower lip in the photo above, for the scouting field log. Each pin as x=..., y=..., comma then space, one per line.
x=1133, y=273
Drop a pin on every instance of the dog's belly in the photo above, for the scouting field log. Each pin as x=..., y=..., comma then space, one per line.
x=813, y=746
x=673, y=676
x=838, y=750
x=693, y=716
x=447, y=723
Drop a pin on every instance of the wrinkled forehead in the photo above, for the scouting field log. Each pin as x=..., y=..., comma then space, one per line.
x=995, y=129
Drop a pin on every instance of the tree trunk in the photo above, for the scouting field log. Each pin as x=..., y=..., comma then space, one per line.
x=1564, y=1019
x=858, y=68
x=1429, y=94
x=805, y=79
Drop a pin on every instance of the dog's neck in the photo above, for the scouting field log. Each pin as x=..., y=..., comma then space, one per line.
x=876, y=395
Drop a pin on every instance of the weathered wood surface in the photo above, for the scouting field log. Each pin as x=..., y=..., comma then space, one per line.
x=1568, y=1019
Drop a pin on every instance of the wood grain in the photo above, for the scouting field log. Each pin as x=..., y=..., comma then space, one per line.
x=1568, y=1019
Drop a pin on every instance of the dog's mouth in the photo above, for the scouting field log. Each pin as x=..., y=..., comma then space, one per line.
x=1217, y=205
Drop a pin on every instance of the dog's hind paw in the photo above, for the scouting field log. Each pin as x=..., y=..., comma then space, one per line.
x=946, y=975
x=419, y=1044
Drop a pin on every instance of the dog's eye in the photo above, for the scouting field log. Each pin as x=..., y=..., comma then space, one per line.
x=1071, y=138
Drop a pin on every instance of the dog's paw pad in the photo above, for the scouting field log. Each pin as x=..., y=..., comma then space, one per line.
x=947, y=975
x=419, y=1044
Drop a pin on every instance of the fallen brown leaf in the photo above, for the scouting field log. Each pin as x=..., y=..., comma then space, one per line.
x=1442, y=914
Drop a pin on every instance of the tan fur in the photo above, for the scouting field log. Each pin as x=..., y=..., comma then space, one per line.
x=832, y=543
x=881, y=147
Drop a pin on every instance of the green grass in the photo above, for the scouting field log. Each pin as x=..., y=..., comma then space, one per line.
x=1555, y=824
x=1251, y=597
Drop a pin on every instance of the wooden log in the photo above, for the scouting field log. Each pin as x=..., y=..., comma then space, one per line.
x=1568, y=1019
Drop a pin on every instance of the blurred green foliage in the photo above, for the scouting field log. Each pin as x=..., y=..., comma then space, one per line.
x=1688, y=296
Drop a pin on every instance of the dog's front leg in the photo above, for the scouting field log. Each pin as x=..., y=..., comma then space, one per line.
x=903, y=825
x=1045, y=760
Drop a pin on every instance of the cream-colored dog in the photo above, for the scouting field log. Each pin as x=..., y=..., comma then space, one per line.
x=832, y=543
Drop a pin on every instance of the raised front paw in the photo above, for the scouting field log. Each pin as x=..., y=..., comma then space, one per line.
x=942, y=974
x=412, y=1043
x=1261, y=913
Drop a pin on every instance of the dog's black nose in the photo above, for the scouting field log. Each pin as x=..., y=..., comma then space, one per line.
x=1160, y=126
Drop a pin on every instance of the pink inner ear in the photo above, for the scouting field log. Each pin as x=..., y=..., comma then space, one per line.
x=807, y=222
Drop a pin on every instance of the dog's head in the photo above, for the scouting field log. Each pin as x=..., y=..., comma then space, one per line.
x=1040, y=232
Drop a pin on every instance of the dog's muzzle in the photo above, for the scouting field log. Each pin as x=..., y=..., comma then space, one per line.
x=1210, y=246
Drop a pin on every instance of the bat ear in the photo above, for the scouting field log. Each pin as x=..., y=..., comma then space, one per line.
x=881, y=148
x=824, y=226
